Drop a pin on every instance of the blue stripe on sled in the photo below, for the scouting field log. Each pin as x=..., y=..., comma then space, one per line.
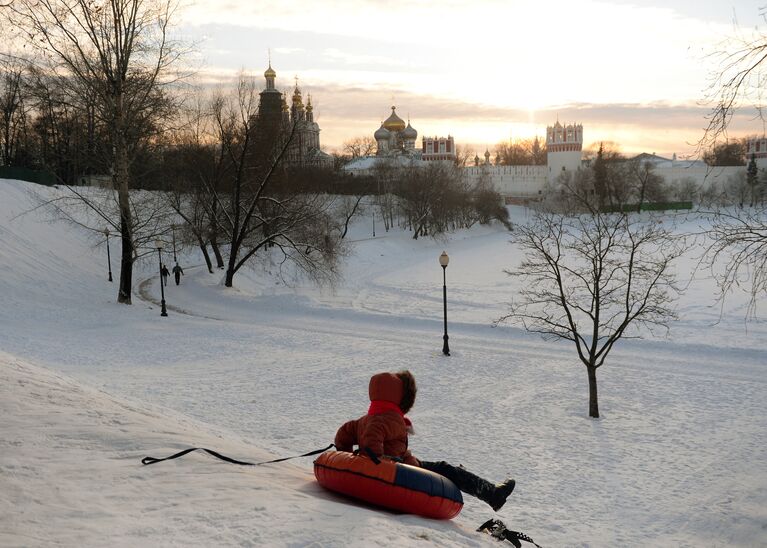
x=426, y=481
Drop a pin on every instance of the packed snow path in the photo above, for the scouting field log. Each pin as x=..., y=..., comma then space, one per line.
x=678, y=459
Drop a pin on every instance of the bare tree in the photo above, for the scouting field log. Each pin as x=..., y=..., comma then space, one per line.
x=357, y=147
x=387, y=176
x=737, y=252
x=119, y=51
x=593, y=279
x=648, y=185
x=737, y=190
x=687, y=190
x=346, y=209
x=736, y=83
x=521, y=152
x=424, y=196
x=573, y=191
x=259, y=212
x=739, y=238
x=190, y=202
x=463, y=155
x=190, y=168
x=13, y=111
x=729, y=153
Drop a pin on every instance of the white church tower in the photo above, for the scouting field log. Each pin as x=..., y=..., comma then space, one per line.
x=564, y=146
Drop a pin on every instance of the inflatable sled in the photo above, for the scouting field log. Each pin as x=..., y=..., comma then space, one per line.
x=390, y=484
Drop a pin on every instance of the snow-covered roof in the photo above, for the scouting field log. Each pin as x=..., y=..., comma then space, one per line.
x=366, y=163
x=665, y=163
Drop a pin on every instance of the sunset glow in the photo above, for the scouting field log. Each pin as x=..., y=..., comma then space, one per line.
x=632, y=72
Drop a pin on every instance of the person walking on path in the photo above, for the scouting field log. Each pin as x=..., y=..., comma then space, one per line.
x=177, y=273
x=164, y=273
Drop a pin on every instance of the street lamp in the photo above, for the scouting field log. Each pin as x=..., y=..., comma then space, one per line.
x=109, y=258
x=158, y=244
x=443, y=260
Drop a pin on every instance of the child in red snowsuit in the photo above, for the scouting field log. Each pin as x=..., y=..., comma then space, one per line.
x=384, y=430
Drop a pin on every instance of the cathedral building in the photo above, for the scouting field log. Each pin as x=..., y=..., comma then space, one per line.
x=394, y=137
x=276, y=121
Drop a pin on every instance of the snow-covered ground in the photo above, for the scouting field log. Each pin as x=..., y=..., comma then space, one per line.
x=88, y=387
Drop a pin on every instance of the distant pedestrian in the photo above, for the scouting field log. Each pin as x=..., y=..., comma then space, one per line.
x=164, y=273
x=177, y=272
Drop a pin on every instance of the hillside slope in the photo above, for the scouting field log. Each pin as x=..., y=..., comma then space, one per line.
x=271, y=368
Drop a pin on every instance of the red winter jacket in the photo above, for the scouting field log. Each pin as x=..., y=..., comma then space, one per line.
x=384, y=429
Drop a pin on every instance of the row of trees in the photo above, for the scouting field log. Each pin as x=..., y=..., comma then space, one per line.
x=521, y=152
x=434, y=199
x=102, y=95
x=614, y=182
x=618, y=182
x=113, y=61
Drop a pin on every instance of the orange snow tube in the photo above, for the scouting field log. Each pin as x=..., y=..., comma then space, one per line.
x=390, y=484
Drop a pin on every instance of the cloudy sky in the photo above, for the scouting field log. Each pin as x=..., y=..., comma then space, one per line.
x=632, y=71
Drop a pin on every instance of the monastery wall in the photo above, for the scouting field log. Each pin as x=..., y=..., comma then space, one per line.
x=510, y=181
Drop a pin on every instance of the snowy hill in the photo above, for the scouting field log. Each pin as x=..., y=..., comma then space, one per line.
x=88, y=387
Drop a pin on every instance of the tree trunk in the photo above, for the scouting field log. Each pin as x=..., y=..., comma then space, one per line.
x=204, y=249
x=126, y=221
x=230, y=269
x=214, y=236
x=593, y=401
x=217, y=252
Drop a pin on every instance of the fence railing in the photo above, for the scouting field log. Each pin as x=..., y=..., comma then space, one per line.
x=648, y=206
x=26, y=174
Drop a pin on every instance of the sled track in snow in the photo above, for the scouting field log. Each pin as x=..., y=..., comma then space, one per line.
x=144, y=295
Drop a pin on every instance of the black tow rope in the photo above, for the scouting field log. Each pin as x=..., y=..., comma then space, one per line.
x=152, y=460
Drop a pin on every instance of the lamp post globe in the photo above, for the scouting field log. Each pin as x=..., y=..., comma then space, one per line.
x=158, y=244
x=443, y=261
x=109, y=257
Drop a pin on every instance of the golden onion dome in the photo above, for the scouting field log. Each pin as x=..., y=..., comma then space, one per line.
x=270, y=72
x=394, y=122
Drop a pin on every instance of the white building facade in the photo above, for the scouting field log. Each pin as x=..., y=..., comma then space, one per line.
x=435, y=149
x=676, y=172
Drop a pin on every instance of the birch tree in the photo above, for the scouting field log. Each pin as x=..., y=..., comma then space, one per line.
x=120, y=53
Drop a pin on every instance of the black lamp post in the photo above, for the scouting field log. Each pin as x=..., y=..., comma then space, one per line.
x=443, y=260
x=109, y=258
x=158, y=244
